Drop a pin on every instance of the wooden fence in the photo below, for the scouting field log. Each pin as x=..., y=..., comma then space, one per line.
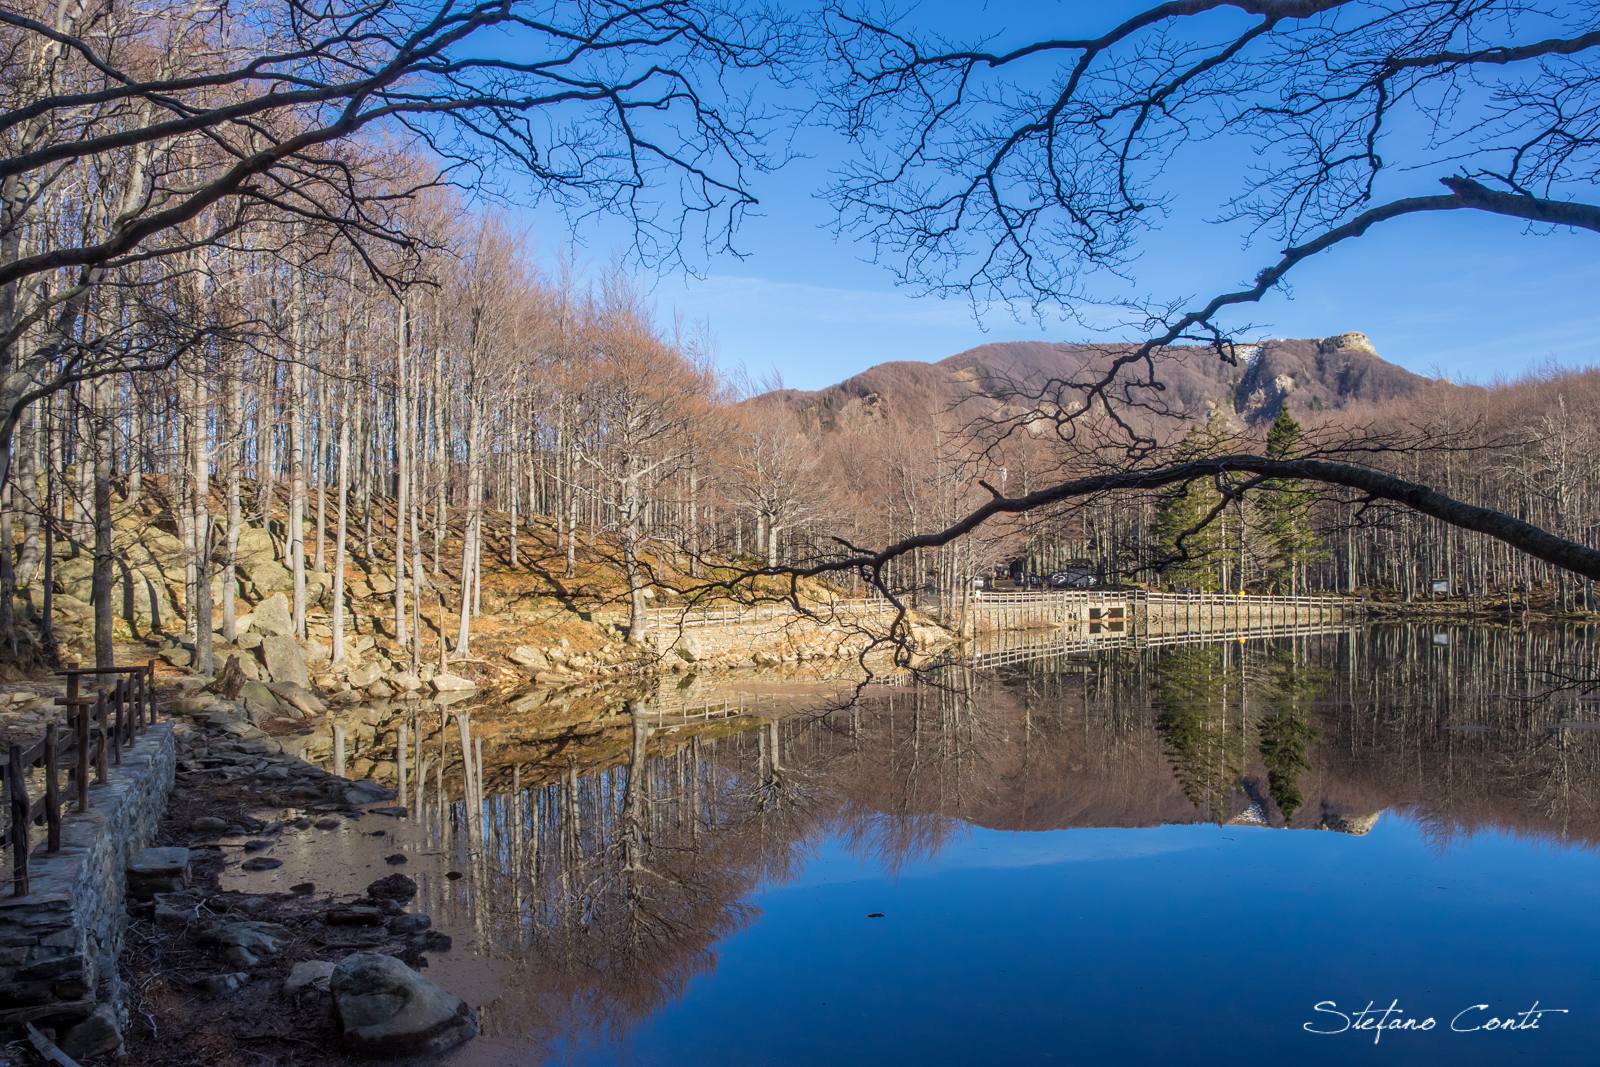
x=99, y=727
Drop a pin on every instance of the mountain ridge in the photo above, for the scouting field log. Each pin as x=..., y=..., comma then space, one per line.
x=1311, y=375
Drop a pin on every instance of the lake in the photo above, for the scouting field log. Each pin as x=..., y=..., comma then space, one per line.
x=1201, y=854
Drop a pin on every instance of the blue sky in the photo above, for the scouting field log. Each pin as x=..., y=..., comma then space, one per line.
x=1463, y=295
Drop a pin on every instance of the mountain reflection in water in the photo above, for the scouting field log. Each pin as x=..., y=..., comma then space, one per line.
x=617, y=852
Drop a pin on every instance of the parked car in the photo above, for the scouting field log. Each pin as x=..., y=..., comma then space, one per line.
x=1071, y=580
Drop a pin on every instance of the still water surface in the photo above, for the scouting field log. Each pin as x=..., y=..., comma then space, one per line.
x=1132, y=856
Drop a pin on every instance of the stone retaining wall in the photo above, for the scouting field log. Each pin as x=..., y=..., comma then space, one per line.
x=59, y=944
x=787, y=639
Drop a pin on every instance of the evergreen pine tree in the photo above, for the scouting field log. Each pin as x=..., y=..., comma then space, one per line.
x=1285, y=507
x=1181, y=513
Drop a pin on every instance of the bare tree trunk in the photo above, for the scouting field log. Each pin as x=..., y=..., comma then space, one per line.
x=413, y=479
x=266, y=440
x=572, y=527
x=339, y=535
x=401, y=404
x=200, y=460
x=632, y=505
x=30, y=499
x=101, y=581
x=470, y=542
x=232, y=425
x=441, y=528
x=135, y=448
x=321, y=439
x=8, y=574
x=297, y=459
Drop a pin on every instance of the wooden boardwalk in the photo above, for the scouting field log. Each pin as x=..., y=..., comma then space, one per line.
x=1002, y=648
x=1153, y=614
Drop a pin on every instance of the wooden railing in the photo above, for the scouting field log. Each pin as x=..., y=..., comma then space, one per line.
x=1139, y=596
x=99, y=727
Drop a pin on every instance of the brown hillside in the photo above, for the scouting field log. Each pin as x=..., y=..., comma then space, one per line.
x=1326, y=374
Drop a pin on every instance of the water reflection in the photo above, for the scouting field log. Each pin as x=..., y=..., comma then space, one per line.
x=608, y=854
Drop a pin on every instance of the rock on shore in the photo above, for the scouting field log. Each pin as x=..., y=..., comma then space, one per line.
x=387, y=1009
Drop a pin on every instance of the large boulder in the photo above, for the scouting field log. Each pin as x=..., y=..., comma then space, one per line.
x=271, y=617
x=367, y=791
x=298, y=695
x=450, y=683
x=387, y=1009
x=267, y=576
x=260, y=692
x=285, y=661
x=71, y=606
x=527, y=656
x=255, y=546
x=364, y=675
x=690, y=647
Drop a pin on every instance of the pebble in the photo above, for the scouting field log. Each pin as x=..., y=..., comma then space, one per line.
x=208, y=824
x=260, y=863
x=304, y=887
x=395, y=860
x=217, y=984
x=327, y=824
x=256, y=846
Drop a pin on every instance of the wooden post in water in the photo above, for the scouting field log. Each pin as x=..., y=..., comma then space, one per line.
x=338, y=750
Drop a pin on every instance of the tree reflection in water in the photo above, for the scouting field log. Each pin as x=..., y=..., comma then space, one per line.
x=614, y=854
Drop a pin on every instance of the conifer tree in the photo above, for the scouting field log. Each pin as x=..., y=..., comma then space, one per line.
x=1182, y=531
x=1285, y=507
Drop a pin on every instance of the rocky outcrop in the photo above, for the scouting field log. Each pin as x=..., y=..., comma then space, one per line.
x=1350, y=341
x=1354, y=825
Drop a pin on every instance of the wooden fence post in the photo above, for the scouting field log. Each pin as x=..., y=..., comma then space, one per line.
x=19, y=822
x=82, y=722
x=52, y=791
x=102, y=772
x=116, y=723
